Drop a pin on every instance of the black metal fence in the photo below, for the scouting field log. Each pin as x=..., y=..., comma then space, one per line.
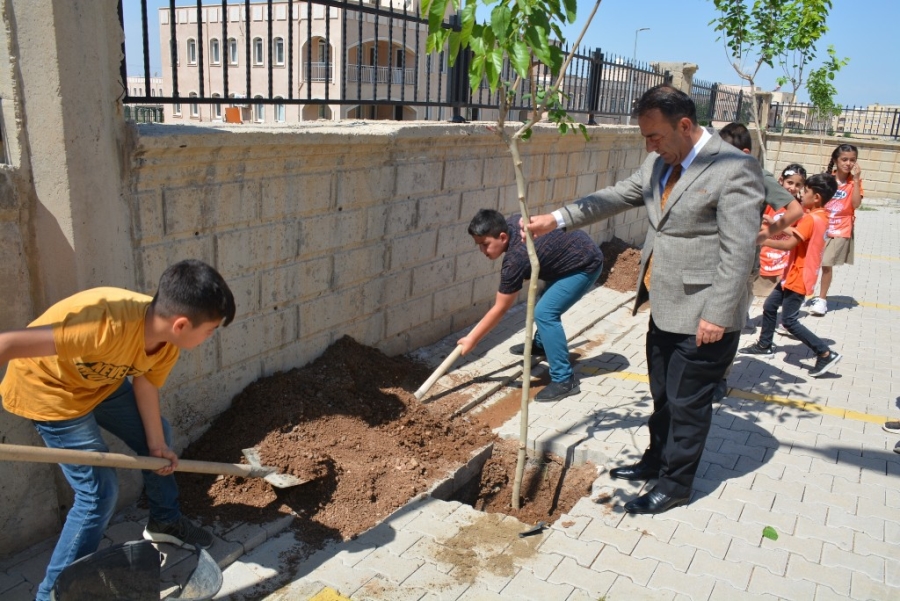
x=367, y=58
x=718, y=102
x=871, y=122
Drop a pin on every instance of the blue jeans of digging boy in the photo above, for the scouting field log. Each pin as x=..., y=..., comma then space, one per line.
x=96, y=488
x=558, y=297
x=789, y=302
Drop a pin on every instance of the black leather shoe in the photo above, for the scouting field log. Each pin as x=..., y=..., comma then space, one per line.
x=536, y=350
x=638, y=471
x=654, y=502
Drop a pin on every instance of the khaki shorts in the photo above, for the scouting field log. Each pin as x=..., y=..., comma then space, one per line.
x=838, y=251
x=763, y=285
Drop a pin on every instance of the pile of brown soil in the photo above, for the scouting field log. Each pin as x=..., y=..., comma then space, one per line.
x=621, y=265
x=350, y=424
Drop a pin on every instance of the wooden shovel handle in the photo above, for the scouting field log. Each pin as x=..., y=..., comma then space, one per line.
x=442, y=368
x=11, y=452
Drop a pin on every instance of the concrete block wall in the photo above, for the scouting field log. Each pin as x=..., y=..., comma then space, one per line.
x=879, y=160
x=348, y=229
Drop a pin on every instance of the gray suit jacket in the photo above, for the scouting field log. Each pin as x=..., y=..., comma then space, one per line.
x=703, y=243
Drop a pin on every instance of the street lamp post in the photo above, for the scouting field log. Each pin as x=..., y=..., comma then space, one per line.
x=631, y=75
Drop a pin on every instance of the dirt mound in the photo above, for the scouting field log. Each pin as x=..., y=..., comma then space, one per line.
x=621, y=265
x=350, y=423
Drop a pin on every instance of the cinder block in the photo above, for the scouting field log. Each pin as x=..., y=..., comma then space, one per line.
x=358, y=265
x=408, y=315
x=285, y=285
x=333, y=230
x=373, y=185
x=462, y=174
x=153, y=260
x=204, y=208
x=434, y=275
x=307, y=194
x=419, y=178
x=253, y=248
x=258, y=335
x=438, y=211
x=412, y=249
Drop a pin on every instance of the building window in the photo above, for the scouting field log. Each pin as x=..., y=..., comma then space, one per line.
x=323, y=51
x=232, y=51
x=192, y=51
x=216, y=109
x=279, y=112
x=259, y=111
x=278, y=51
x=214, y=51
x=195, y=108
x=257, y=51
x=176, y=109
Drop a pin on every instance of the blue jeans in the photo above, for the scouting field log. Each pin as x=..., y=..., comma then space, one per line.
x=558, y=297
x=789, y=302
x=97, y=488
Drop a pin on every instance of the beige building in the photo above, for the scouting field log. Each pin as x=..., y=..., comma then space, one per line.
x=137, y=86
x=386, y=61
x=874, y=120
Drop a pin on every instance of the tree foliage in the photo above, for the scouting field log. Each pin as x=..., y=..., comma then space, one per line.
x=761, y=33
x=523, y=33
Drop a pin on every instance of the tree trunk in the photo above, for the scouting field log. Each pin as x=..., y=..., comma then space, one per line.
x=529, y=326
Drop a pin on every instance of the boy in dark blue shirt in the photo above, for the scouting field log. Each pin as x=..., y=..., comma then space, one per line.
x=570, y=265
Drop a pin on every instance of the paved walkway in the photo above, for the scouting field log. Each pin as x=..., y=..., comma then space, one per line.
x=805, y=457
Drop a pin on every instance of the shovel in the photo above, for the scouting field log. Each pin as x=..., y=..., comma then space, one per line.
x=442, y=368
x=11, y=452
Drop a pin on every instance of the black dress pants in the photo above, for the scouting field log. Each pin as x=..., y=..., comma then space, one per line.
x=683, y=378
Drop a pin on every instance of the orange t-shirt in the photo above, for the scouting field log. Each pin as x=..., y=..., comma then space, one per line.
x=841, y=213
x=772, y=261
x=802, y=271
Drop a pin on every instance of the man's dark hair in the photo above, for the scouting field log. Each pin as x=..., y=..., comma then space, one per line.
x=488, y=222
x=737, y=135
x=671, y=102
x=193, y=289
x=823, y=184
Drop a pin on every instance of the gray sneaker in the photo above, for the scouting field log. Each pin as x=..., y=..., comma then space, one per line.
x=180, y=532
x=892, y=427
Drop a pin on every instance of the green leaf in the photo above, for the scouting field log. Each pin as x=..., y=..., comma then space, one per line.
x=520, y=58
x=571, y=9
x=526, y=134
x=436, y=11
x=476, y=72
x=769, y=532
x=500, y=19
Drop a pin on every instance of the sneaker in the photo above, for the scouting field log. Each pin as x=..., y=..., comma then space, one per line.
x=764, y=352
x=536, y=350
x=818, y=306
x=892, y=427
x=824, y=364
x=181, y=532
x=897, y=448
x=782, y=331
x=555, y=391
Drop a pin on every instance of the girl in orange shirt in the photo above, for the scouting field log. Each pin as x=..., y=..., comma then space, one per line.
x=841, y=215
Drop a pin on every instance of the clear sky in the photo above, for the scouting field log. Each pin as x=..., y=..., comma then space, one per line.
x=862, y=30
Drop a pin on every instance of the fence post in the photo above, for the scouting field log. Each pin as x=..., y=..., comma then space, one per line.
x=737, y=111
x=895, y=127
x=713, y=100
x=667, y=78
x=594, y=77
x=458, y=78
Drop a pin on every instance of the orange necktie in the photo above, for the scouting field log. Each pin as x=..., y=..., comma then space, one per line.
x=670, y=183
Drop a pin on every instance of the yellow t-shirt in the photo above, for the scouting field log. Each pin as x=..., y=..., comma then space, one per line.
x=99, y=336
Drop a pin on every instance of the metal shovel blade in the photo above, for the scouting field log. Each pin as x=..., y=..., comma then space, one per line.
x=276, y=480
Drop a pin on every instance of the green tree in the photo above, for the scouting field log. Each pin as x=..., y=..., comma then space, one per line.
x=821, y=90
x=527, y=35
x=763, y=32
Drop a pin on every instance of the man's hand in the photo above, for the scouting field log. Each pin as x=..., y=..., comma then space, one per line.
x=538, y=225
x=708, y=333
x=165, y=453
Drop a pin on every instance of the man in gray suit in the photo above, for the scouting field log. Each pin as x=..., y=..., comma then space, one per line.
x=703, y=200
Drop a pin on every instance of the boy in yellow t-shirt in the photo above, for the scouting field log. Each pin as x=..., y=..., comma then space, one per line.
x=69, y=373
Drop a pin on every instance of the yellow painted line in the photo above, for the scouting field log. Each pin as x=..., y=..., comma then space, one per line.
x=328, y=594
x=880, y=257
x=752, y=396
